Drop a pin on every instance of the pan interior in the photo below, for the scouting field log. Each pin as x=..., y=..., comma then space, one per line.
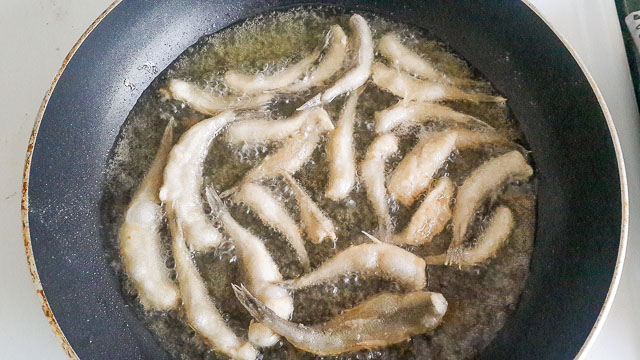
x=480, y=298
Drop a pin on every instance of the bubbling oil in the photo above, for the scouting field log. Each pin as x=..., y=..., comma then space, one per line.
x=480, y=298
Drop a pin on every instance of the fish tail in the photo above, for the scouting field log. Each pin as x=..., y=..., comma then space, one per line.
x=480, y=122
x=261, y=313
x=454, y=256
x=467, y=82
x=256, y=308
x=216, y=203
x=304, y=260
x=480, y=97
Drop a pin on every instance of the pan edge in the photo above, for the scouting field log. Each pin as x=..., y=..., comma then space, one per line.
x=24, y=204
x=624, y=191
x=606, y=307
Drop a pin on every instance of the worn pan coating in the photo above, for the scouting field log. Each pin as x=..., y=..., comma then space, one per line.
x=582, y=205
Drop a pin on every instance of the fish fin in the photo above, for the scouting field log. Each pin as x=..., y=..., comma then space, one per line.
x=466, y=82
x=314, y=101
x=225, y=194
x=306, y=264
x=327, y=37
x=215, y=202
x=480, y=123
x=371, y=237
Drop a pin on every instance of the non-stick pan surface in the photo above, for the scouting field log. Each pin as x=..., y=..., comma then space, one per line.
x=580, y=197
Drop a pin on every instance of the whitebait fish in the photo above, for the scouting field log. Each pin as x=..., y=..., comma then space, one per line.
x=340, y=152
x=260, y=270
x=469, y=139
x=200, y=311
x=431, y=217
x=384, y=260
x=140, y=242
x=316, y=224
x=373, y=177
x=408, y=60
x=356, y=76
x=295, y=151
x=210, y=104
x=330, y=64
x=485, y=180
x=382, y=320
x=273, y=214
x=411, y=89
x=414, y=173
x=487, y=244
x=253, y=84
x=183, y=181
x=407, y=113
x=260, y=130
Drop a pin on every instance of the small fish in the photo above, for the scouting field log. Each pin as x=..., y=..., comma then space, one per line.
x=183, y=180
x=431, y=217
x=200, y=311
x=331, y=63
x=487, y=245
x=356, y=76
x=414, y=173
x=400, y=56
x=273, y=214
x=260, y=270
x=293, y=153
x=406, y=113
x=483, y=181
x=340, y=151
x=403, y=85
x=385, y=260
x=382, y=320
x=373, y=177
x=241, y=83
x=316, y=224
x=140, y=241
x=207, y=103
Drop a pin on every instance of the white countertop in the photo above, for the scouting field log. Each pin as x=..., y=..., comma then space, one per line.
x=37, y=35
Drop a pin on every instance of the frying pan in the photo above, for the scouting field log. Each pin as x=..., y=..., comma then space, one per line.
x=582, y=196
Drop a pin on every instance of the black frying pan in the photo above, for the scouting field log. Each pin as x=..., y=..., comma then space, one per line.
x=581, y=215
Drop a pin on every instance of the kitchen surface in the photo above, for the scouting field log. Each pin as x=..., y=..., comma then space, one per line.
x=38, y=34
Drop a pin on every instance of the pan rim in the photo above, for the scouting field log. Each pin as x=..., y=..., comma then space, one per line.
x=624, y=193
x=31, y=261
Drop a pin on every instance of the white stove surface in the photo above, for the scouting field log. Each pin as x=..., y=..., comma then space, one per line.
x=37, y=35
